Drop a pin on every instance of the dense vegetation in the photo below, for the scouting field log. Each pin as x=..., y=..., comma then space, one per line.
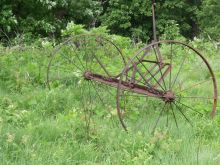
x=42, y=126
x=37, y=18
x=60, y=125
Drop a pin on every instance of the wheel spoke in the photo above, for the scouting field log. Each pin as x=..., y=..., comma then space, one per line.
x=189, y=108
x=72, y=61
x=150, y=74
x=196, y=97
x=174, y=116
x=178, y=78
x=159, y=63
x=101, y=64
x=100, y=98
x=143, y=96
x=180, y=110
x=194, y=85
x=161, y=113
x=178, y=72
x=146, y=83
x=80, y=61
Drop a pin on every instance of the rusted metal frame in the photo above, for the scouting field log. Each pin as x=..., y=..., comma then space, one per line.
x=136, y=88
x=147, y=69
x=164, y=75
x=134, y=65
x=154, y=20
x=134, y=74
x=140, y=73
x=153, y=67
x=201, y=56
x=150, y=70
x=144, y=75
x=160, y=61
x=155, y=29
x=142, y=58
x=154, y=74
x=53, y=54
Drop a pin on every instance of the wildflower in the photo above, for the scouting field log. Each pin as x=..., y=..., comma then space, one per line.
x=24, y=139
x=10, y=138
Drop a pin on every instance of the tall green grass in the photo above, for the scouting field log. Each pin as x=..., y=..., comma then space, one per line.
x=41, y=126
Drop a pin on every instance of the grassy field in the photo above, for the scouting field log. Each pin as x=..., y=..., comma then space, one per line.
x=42, y=126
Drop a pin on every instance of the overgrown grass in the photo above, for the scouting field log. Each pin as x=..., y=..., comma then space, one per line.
x=41, y=126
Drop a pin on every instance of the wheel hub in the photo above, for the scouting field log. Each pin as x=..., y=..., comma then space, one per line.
x=169, y=97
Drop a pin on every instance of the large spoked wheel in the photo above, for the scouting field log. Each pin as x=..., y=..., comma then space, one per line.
x=76, y=57
x=177, y=86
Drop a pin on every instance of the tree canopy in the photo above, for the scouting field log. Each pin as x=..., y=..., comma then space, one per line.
x=46, y=18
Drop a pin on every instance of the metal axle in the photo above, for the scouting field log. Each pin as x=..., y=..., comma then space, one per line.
x=136, y=88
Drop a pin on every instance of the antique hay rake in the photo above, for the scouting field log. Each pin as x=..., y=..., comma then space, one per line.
x=166, y=80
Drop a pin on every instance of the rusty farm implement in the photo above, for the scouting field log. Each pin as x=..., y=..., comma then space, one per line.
x=164, y=81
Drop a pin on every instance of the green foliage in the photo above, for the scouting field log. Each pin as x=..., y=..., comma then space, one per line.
x=34, y=19
x=73, y=29
x=133, y=18
x=172, y=31
x=45, y=18
x=39, y=126
x=7, y=19
x=209, y=17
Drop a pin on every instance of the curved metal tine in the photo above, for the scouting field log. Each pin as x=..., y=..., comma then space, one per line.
x=142, y=80
x=180, y=110
x=150, y=74
x=174, y=116
x=140, y=73
x=150, y=69
x=189, y=107
x=159, y=60
x=194, y=85
x=142, y=58
x=161, y=113
x=140, y=61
